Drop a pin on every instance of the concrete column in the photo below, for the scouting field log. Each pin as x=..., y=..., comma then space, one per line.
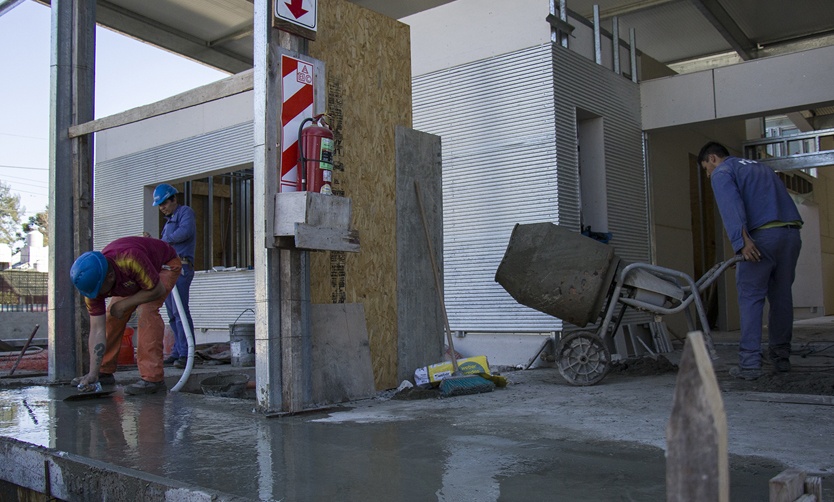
x=267, y=278
x=283, y=341
x=70, y=175
x=294, y=266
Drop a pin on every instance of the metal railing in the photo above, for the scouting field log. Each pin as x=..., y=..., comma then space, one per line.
x=798, y=151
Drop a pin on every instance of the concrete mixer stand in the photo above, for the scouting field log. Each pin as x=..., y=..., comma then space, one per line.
x=579, y=280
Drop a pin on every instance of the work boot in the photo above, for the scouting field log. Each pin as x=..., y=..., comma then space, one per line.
x=170, y=360
x=106, y=379
x=181, y=362
x=745, y=373
x=144, y=387
x=782, y=364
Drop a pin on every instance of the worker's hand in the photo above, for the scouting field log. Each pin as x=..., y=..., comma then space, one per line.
x=145, y=234
x=750, y=252
x=117, y=309
x=86, y=382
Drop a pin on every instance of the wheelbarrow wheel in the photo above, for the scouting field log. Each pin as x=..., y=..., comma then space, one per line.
x=583, y=358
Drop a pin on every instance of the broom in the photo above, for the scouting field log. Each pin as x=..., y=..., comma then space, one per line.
x=457, y=384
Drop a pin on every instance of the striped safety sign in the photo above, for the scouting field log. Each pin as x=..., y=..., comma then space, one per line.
x=296, y=105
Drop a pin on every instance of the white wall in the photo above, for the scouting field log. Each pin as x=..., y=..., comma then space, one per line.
x=807, y=287
x=174, y=126
x=470, y=30
x=754, y=88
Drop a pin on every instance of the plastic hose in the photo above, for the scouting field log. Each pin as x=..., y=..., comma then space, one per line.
x=189, y=336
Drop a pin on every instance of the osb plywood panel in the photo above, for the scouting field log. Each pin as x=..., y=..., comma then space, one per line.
x=368, y=70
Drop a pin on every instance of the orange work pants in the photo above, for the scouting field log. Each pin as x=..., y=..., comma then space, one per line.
x=151, y=331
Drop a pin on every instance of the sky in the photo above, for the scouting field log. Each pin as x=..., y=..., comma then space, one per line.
x=129, y=73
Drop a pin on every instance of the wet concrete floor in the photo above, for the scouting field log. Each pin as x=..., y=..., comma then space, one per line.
x=454, y=449
x=538, y=439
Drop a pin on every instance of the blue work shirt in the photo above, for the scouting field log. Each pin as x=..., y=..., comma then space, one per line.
x=180, y=231
x=749, y=195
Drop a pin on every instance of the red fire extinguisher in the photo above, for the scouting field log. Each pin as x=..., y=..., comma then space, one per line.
x=315, y=156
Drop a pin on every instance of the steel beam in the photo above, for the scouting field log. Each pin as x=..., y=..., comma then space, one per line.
x=8, y=5
x=161, y=35
x=715, y=13
x=72, y=82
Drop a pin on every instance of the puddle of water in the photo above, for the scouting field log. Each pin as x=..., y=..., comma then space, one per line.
x=223, y=445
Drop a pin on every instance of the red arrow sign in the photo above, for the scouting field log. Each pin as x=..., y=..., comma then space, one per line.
x=295, y=8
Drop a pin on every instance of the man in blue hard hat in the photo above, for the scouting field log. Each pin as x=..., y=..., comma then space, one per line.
x=137, y=274
x=180, y=231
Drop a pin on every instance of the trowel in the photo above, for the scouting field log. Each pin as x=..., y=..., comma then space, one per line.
x=81, y=396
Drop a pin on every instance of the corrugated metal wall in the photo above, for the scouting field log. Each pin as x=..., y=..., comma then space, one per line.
x=496, y=122
x=119, y=182
x=218, y=298
x=579, y=83
x=118, y=209
x=505, y=124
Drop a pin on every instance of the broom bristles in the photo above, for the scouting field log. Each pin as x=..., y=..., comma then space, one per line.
x=463, y=385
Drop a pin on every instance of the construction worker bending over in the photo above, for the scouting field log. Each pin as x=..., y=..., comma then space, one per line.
x=135, y=272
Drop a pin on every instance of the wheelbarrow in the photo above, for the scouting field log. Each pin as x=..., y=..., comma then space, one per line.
x=580, y=280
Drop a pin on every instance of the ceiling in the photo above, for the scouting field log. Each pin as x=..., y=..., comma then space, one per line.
x=687, y=35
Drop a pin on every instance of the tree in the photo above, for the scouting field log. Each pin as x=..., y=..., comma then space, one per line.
x=39, y=222
x=10, y=213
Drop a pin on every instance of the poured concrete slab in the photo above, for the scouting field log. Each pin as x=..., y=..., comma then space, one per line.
x=538, y=439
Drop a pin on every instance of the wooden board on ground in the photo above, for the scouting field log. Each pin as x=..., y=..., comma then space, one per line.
x=791, y=398
x=697, y=467
x=342, y=369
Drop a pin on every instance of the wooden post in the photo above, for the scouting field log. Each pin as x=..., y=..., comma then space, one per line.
x=696, y=458
x=787, y=486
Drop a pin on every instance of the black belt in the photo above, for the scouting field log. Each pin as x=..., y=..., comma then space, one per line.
x=797, y=227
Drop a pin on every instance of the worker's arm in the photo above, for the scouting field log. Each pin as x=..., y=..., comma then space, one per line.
x=186, y=227
x=97, y=343
x=730, y=206
x=118, y=309
x=749, y=251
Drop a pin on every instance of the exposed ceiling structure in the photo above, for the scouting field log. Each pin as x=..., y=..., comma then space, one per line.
x=688, y=35
x=219, y=32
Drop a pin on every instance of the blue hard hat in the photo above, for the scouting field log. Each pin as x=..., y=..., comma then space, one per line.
x=162, y=193
x=88, y=273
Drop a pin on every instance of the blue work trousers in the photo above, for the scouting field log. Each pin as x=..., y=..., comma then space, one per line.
x=180, y=348
x=770, y=278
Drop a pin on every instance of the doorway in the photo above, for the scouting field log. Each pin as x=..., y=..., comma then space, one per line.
x=702, y=209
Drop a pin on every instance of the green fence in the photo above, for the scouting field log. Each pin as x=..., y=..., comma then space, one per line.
x=23, y=291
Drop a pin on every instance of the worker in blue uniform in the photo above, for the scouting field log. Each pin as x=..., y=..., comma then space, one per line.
x=762, y=223
x=180, y=231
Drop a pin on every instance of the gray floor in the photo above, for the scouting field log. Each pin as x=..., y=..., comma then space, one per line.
x=537, y=439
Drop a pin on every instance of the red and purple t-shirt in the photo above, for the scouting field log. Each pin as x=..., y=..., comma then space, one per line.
x=136, y=261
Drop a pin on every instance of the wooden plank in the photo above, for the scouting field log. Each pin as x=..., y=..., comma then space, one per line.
x=787, y=486
x=697, y=466
x=368, y=61
x=807, y=498
x=230, y=86
x=813, y=486
x=790, y=398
